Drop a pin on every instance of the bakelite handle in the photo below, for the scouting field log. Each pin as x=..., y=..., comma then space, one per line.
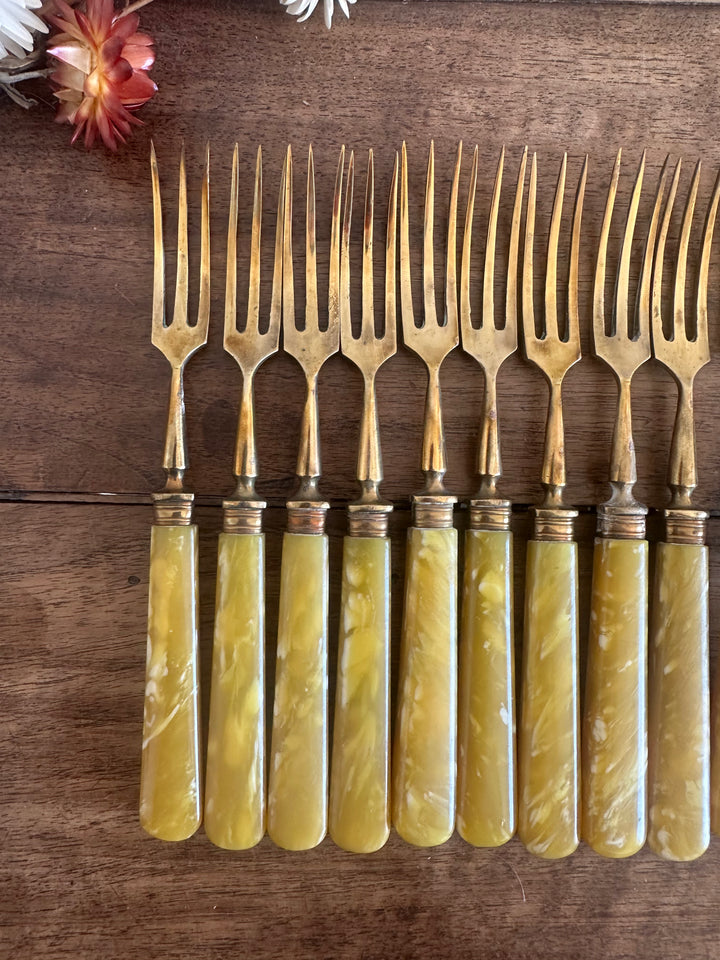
x=486, y=812
x=425, y=744
x=548, y=754
x=679, y=727
x=297, y=788
x=359, y=776
x=614, y=771
x=235, y=773
x=170, y=772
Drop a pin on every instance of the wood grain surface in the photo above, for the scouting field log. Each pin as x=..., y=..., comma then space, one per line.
x=82, y=408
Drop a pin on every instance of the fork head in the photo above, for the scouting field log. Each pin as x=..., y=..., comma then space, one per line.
x=430, y=340
x=250, y=346
x=489, y=344
x=368, y=351
x=552, y=351
x=309, y=344
x=178, y=339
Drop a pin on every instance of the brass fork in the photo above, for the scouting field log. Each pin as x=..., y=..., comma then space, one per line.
x=548, y=741
x=679, y=723
x=359, y=783
x=235, y=773
x=614, y=770
x=486, y=721
x=170, y=774
x=297, y=791
x=425, y=744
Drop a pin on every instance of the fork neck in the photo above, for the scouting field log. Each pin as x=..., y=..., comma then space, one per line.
x=434, y=459
x=622, y=517
x=682, y=473
x=173, y=505
x=368, y=515
x=307, y=509
x=553, y=471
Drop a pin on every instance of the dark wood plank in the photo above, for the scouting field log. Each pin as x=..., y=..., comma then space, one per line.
x=82, y=391
x=81, y=881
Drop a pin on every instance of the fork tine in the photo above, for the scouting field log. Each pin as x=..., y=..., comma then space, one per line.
x=334, y=266
x=451, y=295
x=573, y=333
x=368, y=316
x=465, y=306
x=405, y=282
x=657, y=322
x=204, y=295
x=623, y=319
x=390, y=258
x=511, y=304
x=158, y=321
x=702, y=284
x=345, y=312
x=180, y=311
x=311, y=297
x=276, y=294
x=231, y=264
x=681, y=264
x=551, y=319
x=601, y=263
x=253, y=314
x=488, y=311
x=288, y=309
x=645, y=284
x=528, y=306
x=428, y=241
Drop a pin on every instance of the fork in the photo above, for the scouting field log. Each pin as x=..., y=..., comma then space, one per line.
x=297, y=790
x=679, y=722
x=235, y=771
x=359, y=781
x=486, y=812
x=425, y=743
x=614, y=753
x=170, y=771
x=548, y=740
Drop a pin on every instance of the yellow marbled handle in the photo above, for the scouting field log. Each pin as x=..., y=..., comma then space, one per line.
x=614, y=771
x=486, y=710
x=170, y=774
x=235, y=773
x=548, y=753
x=425, y=745
x=679, y=728
x=359, y=782
x=297, y=789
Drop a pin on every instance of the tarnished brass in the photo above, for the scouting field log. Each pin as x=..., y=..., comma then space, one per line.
x=624, y=348
x=310, y=345
x=430, y=340
x=553, y=352
x=368, y=516
x=178, y=340
x=242, y=513
x=490, y=345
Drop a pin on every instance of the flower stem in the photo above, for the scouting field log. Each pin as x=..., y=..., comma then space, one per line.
x=132, y=7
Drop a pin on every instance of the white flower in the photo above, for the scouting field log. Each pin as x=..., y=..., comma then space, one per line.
x=303, y=8
x=17, y=24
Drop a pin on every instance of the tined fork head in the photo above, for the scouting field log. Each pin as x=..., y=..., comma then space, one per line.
x=178, y=339
x=684, y=351
x=552, y=350
x=250, y=346
x=624, y=342
x=369, y=351
x=489, y=343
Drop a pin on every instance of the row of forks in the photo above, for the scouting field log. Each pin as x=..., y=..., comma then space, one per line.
x=454, y=762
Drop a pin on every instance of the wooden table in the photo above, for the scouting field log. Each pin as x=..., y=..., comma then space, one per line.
x=82, y=400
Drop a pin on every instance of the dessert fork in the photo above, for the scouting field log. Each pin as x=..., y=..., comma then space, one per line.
x=359, y=776
x=486, y=725
x=297, y=790
x=170, y=772
x=614, y=770
x=425, y=745
x=548, y=741
x=679, y=721
x=235, y=773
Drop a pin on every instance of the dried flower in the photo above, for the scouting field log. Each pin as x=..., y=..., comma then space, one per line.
x=17, y=25
x=303, y=8
x=102, y=75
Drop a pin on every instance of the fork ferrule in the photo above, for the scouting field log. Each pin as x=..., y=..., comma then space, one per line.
x=432, y=512
x=554, y=523
x=173, y=509
x=490, y=514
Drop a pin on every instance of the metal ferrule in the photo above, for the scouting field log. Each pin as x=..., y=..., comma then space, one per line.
x=685, y=526
x=622, y=517
x=554, y=523
x=433, y=512
x=368, y=519
x=308, y=518
x=489, y=514
x=173, y=509
x=243, y=516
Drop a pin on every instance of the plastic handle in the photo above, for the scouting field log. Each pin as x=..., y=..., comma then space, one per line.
x=614, y=772
x=235, y=773
x=297, y=789
x=425, y=745
x=170, y=774
x=548, y=754
x=486, y=736
x=359, y=781
x=679, y=731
